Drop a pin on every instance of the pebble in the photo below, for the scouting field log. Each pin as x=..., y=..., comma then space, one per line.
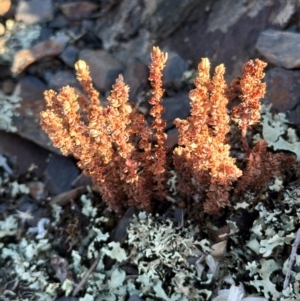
x=34, y=11
x=50, y=47
x=175, y=67
x=69, y=55
x=280, y=48
x=176, y=107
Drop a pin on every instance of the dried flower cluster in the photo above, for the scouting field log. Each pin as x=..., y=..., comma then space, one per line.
x=203, y=150
x=127, y=159
x=105, y=139
x=263, y=167
x=249, y=89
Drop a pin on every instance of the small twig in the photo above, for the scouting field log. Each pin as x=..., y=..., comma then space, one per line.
x=86, y=276
x=292, y=260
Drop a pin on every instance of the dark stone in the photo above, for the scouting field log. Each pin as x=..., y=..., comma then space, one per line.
x=283, y=92
x=69, y=55
x=175, y=67
x=50, y=47
x=58, y=171
x=176, y=107
x=221, y=33
x=104, y=68
x=59, y=21
x=169, y=15
x=25, y=156
x=136, y=76
x=29, y=88
x=45, y=34
x=120, y=24
x=294, y=115
x=63, y=78
x=34, y=11
x=280, y=48
x=284, y=16
x=61, y=171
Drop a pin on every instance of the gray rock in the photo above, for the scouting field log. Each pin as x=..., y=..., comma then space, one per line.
x=24, y=156
x=139, y=48
x=63, y=78
x=280, y=48
x=136, y=76
x=283, y=15
x=213, y=30
x=69, y=55
x=128, y=29
x=176, y=107
x=59, y=21
x=58, y=171
x=175, y=66
x=58, y=182
x=30, y=89
x=104, y=68
x=225, y=14
x=168, y=15
x=34, y=11
x=50, y=47
x=120, y=24
x=283, y=92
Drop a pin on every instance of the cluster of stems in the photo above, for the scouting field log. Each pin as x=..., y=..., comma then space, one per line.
x=127, y=159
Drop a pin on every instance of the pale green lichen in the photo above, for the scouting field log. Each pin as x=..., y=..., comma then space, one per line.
x=278, y=133
x=171, y=263
x=8, y=227
x=16, y=188
x=87, y=208
x=8, y=106
x=270, y=236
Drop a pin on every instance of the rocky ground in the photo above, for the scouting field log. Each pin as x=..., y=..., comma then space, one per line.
x=39, y=44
